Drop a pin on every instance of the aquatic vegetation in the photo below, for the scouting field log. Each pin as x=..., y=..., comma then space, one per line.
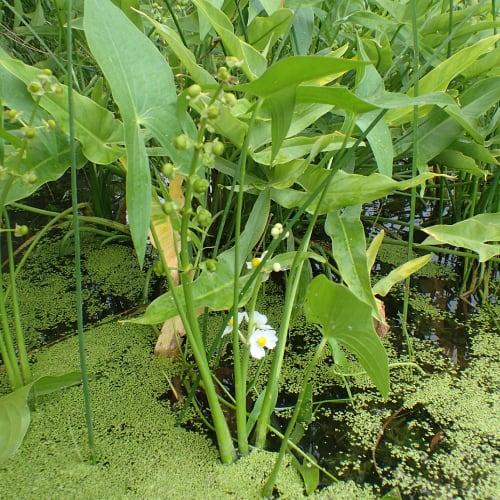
x=243, y=149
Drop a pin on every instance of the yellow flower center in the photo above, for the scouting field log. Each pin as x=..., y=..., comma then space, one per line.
x=230, y=322
x=255, y=262
x=261, y=341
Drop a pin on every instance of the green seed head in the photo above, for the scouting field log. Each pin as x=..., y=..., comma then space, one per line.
x=230, y=99
x=30, y=178
x=200, y=185
x=11, y=114
x=211, y=265
x=194, y=90
x=213, y=112
x=168, y=169
x=47, y=72
x=169, y=207
x=223, y=73
x=217, y=148
x=20, y=230
x=35, y=87
x=203, y=216
x=29, y=132
x=51, y=123
x=181, y=142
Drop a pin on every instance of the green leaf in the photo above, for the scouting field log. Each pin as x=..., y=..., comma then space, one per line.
x=402, y=272
x=214, y=290
x=349, y=251
x=371, y=253
x=186, y=57
x=348, y=320
x=455, y=160
x=439, y=130
x=254, y=63
x=52, y=383
x=440, y=77
x=309, y=473
x=303, y=29
x=379, y=137
x=292, y=71
x=298, y=147
x=15, y=414
x=344, y=189
x=474, y=233
x=129, y=8
x=264, y=31
x=14, y=421
x=95, y=127
x=281, y=106
x=143, y=87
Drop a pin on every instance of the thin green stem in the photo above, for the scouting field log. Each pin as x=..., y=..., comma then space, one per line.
x=268, y=487
x=21, y=344
x=414, y=167
x=176, y=22
x=77, y=249
x=239, y=377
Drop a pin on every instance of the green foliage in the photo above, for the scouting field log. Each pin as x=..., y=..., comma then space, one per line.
x=348, y=320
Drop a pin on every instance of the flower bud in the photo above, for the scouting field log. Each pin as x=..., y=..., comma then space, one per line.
x=51, y=123
x=58, y=89
x=20, y=230
x=29, y=132
x=200, y=185
x=194, y=90
x=276, y=267
x=223, y=73
x=217, y=148
x=181, y=142
x=213, y=112
x=168, y=169
x=277, y=230
x=47, y=72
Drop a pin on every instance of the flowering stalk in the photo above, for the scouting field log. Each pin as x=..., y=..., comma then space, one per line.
x=239, y=377
x=190, y=319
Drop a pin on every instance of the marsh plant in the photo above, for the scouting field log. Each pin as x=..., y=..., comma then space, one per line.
x=282, y=120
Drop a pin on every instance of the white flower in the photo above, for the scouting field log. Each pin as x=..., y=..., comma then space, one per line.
x=261, y=340
x=242, y=316
x=259, y=321
x=255, y=262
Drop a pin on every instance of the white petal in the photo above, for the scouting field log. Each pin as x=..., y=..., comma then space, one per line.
x=259, y=319
x=227, y=330
x=272, y=339
x=257, y=351
x=242, y=316
x=249, y=265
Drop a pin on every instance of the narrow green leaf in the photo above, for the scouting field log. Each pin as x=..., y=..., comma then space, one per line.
x=349, y=251
x=383, y=286
x=264, y=31
x=371, y=253
x=292, y=71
